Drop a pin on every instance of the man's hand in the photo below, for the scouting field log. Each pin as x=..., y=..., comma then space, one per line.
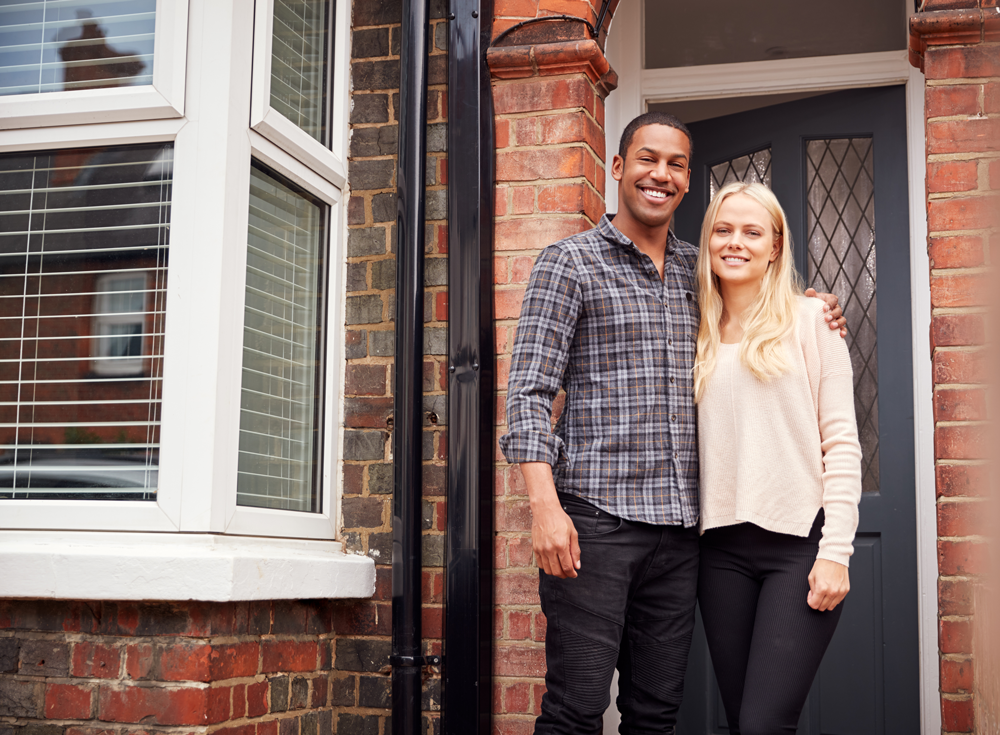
x=828, y=585
x=553, y=535
x=835, y=315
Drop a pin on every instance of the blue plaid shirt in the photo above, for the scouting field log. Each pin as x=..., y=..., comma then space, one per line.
x=598, y=321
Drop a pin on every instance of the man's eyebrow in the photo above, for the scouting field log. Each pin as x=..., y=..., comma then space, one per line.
x=658, y=153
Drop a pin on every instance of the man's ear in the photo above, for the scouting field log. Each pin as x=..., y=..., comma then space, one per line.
x=617, y=167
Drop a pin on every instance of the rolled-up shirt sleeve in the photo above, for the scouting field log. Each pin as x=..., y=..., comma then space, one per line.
x=549, y=314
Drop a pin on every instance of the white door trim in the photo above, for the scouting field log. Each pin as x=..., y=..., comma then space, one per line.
x=825, y=73
x=821, y=73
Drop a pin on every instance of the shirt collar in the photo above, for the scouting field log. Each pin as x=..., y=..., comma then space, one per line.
x=612, y=233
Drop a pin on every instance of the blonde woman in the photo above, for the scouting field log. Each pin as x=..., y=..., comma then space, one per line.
x=780, y=465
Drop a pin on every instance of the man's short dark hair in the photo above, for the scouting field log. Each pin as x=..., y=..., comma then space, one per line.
x=653, y=118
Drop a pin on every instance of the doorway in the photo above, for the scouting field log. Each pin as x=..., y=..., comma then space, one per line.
x=706, y=89
x=837, y=162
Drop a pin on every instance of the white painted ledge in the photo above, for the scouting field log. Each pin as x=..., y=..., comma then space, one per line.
x=175, y=566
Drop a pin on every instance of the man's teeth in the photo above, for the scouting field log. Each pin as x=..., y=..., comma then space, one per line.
x=657, y=194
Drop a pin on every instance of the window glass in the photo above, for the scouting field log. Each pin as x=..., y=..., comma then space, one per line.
x=282, y=365
x=83, y=269
x=840, y=224
x=56, y=45
x=299, y=56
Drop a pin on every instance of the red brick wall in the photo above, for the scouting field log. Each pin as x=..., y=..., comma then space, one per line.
x=961, y=62
x=96, y=668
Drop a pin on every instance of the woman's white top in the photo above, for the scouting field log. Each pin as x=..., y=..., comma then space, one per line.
x=773, y=453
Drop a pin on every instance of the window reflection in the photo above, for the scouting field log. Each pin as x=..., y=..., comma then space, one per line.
x=83, y=267
x=299, y=63
x=56, y=45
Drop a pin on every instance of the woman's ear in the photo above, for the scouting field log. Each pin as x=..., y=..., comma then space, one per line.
x=778, y=243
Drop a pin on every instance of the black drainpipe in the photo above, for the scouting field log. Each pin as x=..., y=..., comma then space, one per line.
x=406, y=659
x=468, y=632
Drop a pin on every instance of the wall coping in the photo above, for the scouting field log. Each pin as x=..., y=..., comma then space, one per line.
x=552, y=59
x=962, y=26
x=175, y=566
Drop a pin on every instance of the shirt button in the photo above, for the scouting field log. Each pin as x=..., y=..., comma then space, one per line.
x=670, y=341
x=674, y=417
x=671, y=380
x=675, y=455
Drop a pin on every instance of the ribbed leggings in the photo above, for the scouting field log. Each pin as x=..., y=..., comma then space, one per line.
x=766, y=642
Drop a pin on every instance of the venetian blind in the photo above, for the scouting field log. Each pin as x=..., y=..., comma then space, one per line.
x=299, y=63
x=55, y=45
x=282, y=365
x=83, y=269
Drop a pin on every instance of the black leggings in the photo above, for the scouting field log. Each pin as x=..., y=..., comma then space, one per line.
x=766, y=642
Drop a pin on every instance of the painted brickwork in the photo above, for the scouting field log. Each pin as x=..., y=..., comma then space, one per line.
x=550, y=180
x=102, y=668
x=365, y=625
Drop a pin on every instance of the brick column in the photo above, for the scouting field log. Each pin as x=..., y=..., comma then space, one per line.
x=957, y=50
x=550, y=178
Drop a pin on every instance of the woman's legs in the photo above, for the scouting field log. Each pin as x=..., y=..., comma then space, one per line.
x=727, y=594
x=766, y=642
x=789, y=640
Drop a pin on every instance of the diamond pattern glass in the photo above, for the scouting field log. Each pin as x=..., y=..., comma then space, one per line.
x=840, y=226
x=752, y=168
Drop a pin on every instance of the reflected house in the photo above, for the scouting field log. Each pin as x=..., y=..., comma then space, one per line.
x=83, y=251
x=89, y=62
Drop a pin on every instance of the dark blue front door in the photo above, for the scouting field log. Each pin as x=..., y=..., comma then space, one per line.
x=837, y=162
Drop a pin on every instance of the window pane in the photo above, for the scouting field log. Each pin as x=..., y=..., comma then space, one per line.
x=83, y=270
x=753, y=168
x=282, y=365
x=299, y=63
x=56, y=45
x=840, y=224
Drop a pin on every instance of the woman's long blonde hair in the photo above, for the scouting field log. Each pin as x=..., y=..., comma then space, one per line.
x=769, y=319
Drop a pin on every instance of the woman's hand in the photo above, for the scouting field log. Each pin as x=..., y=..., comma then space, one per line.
x=828, y=585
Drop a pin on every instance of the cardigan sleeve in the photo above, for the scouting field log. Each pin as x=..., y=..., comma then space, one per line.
x=838, y=430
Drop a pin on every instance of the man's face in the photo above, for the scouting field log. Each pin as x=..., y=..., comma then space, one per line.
x=655, y=174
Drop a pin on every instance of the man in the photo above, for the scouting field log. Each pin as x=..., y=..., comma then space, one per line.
x=612, y=316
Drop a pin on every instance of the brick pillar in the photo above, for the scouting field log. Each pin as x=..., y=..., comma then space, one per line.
x=957, y=50
x=550, y=178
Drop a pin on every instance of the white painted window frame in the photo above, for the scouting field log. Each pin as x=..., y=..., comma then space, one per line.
x=163, y=98
x=264, y=119
x=638, y=87
x=159, y=548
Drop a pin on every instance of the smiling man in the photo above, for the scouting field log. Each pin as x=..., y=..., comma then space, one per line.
x=611, y=315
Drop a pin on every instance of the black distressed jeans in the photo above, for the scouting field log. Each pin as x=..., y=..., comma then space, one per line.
x=637, y=579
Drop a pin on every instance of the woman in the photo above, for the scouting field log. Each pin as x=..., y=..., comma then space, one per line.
x=780, y=465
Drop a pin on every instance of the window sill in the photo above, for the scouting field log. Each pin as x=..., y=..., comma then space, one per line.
x=203, y=567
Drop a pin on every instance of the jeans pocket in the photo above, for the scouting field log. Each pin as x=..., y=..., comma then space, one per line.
x=589, y=520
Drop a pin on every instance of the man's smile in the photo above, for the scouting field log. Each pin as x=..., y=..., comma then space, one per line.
x=656, y=193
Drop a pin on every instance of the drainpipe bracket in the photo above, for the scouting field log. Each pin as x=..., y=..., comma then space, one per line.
x=418, y=661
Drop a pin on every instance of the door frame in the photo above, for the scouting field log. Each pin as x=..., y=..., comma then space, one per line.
x=638, y=87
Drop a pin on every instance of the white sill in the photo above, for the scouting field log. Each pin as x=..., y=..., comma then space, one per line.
x=174, y=566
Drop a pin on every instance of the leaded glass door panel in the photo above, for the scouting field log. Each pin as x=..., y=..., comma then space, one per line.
x=837, y=163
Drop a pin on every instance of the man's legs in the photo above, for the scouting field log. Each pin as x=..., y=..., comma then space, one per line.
x=657, y=638
x=585, y=617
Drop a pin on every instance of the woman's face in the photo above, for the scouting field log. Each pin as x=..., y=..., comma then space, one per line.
x=742, y=242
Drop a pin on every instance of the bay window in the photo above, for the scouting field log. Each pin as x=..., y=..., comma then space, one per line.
x=168, y=275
